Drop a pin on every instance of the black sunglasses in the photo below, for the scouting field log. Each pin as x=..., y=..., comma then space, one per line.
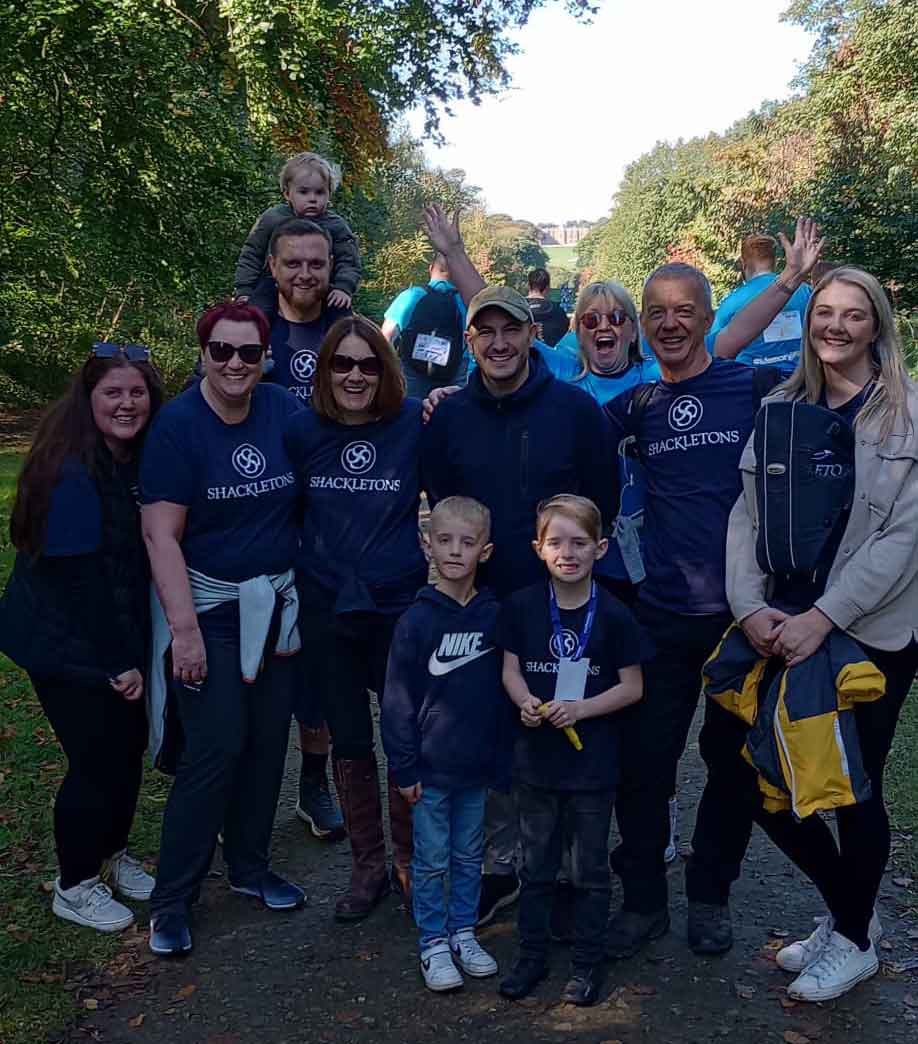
x=131, y=352
x=592, y=320
x=223, y=351
x=369, y=365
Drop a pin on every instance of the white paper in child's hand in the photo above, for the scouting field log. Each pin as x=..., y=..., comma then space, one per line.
x=570, y=683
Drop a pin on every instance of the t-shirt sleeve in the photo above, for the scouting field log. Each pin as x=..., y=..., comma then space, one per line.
x=506, y=632
x=399, y=312
x=74, y=524
x=166, y=467
x=617, y=410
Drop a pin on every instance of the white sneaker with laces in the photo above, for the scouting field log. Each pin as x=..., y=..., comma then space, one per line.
x=90, y=904
x=840, y=966
x=437, y=967
x=129, y=878
x=799, y=955
x=670, y=854
x=470, y=955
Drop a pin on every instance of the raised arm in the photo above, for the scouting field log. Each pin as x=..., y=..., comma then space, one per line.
x=446, y=239
x=799, y=258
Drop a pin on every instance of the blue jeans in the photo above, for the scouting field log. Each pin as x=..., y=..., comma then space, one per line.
x=448, y=843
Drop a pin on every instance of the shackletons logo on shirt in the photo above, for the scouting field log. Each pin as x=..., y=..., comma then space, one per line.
x=357, y=458
x=455, y=651
x=685, y=413
x=303, y=368
x=249, y=462
x=563, y=649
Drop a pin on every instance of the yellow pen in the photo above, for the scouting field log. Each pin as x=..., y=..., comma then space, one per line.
x=569, y=730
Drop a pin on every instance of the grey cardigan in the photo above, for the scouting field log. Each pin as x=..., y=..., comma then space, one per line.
x=872, y=588
x=254, y=254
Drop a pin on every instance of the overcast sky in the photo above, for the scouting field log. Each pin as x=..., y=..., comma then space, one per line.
x=586, y=100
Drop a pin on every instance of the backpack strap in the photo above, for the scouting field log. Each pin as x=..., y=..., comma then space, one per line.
x=764, y=380
x=640, y=400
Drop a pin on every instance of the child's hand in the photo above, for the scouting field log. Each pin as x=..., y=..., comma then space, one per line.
x=338, y=299
x=411, y=794
x=562, y=713
x=529, y=713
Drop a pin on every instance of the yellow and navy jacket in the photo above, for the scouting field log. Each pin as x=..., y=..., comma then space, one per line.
x=802, y=738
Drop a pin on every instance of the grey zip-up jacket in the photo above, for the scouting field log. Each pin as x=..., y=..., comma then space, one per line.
x=253, y=258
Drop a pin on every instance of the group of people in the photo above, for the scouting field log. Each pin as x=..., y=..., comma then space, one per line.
x=598, y=517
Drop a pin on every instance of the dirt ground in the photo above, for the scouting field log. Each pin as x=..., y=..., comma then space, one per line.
x=257, y=977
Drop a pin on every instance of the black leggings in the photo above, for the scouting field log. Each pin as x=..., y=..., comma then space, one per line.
x=847, y=873
x=103, y=736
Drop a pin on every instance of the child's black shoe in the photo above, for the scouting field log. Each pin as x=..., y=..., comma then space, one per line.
x=527, y=973
x=583, y=987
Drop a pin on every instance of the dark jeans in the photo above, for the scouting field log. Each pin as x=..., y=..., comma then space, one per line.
x=346, y=656
x=103, y=736
x=231, y=766
x=653, y=739
x=546, y=817
x=847, y=873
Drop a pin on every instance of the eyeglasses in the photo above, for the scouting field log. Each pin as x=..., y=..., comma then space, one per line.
x=223, y=351
x=131, y=352
x=592, y=320
x=369, y=365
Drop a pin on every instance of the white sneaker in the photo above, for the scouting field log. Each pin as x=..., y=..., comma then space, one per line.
x=670, y=854
x=840, y=966
x=90, y=903
x=129, y=878
x=799, y=955
x=469, y=954
x=438, y=969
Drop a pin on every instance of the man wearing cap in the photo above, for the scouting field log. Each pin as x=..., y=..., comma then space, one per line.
x=514, y=436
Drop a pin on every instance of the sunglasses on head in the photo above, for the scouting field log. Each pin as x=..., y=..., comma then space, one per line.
x=592, y=320
x=131, y=352
x=223, y=351
x=369, y=365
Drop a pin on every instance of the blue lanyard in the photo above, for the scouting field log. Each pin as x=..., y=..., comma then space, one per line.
x=584, y=638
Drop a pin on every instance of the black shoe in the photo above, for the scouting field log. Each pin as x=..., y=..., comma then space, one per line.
x=527, y=973
x=710, y=929
x=630, y=931
x=583, y=987
x=562, y=913
x=497, y=891
x=170, y=935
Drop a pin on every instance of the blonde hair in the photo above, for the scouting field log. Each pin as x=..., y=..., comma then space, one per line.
x=580, y=510
x=330, y=172
x=465, y=509
x=887, y=402
x=612, y=294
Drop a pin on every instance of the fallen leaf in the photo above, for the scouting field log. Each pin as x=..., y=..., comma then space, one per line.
x=913, y=933
x=792, y=1037
x=641, y=990
x=90, y=1004
x=910, y=1000
x=137, y=1021
x=185, y=991
x=778, y=933
x=898, y=967
x=902, y=882
x=347, y=1015
x=787, y=1003
x=745, y=991
x=47, y=887
x=886, y=945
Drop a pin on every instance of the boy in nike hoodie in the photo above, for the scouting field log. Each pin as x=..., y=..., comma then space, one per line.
x=446, y=731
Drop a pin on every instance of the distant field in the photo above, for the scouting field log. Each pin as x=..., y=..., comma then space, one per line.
x=562, y=256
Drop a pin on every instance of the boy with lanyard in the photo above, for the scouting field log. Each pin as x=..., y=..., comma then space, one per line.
x=571, y=659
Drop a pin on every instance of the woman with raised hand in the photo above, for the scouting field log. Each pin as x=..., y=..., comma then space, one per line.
x=851, y=364
x=219, y=519
x=76, y=616
x=359, y=566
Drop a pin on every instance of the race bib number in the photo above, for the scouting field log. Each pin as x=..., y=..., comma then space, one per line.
x=430, y=349
x=570, y=683
x=785, y=326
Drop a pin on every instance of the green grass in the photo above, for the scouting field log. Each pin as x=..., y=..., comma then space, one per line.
x=562, y=256
x=901, y=782
x=40, y=955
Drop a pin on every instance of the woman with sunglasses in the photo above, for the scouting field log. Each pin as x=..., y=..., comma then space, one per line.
x=359, y=566
x=219, y=501
x=75, y=615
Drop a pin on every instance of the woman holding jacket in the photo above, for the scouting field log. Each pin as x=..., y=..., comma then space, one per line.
x=851, y=364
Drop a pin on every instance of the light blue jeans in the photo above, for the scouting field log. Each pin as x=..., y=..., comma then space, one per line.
x=448, y=845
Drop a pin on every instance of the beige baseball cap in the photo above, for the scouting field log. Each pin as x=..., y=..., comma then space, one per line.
x=509, y=301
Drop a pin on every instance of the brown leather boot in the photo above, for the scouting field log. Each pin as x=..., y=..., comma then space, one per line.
x=402, y=845
x=358, y=792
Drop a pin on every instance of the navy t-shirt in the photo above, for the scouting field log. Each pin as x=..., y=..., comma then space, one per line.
x=236, y=480
x=362, y=487
x=690, y=438
x=295, y=350
x=543, y=756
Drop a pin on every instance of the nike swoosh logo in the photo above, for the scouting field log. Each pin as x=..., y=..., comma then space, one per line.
x=437, y=667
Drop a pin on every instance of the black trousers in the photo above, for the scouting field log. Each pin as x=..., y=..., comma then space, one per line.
x=231, y=766
x=550, y=819
x=346, y=657
x=847, y=873
x=655, y=731
x=103, y=736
